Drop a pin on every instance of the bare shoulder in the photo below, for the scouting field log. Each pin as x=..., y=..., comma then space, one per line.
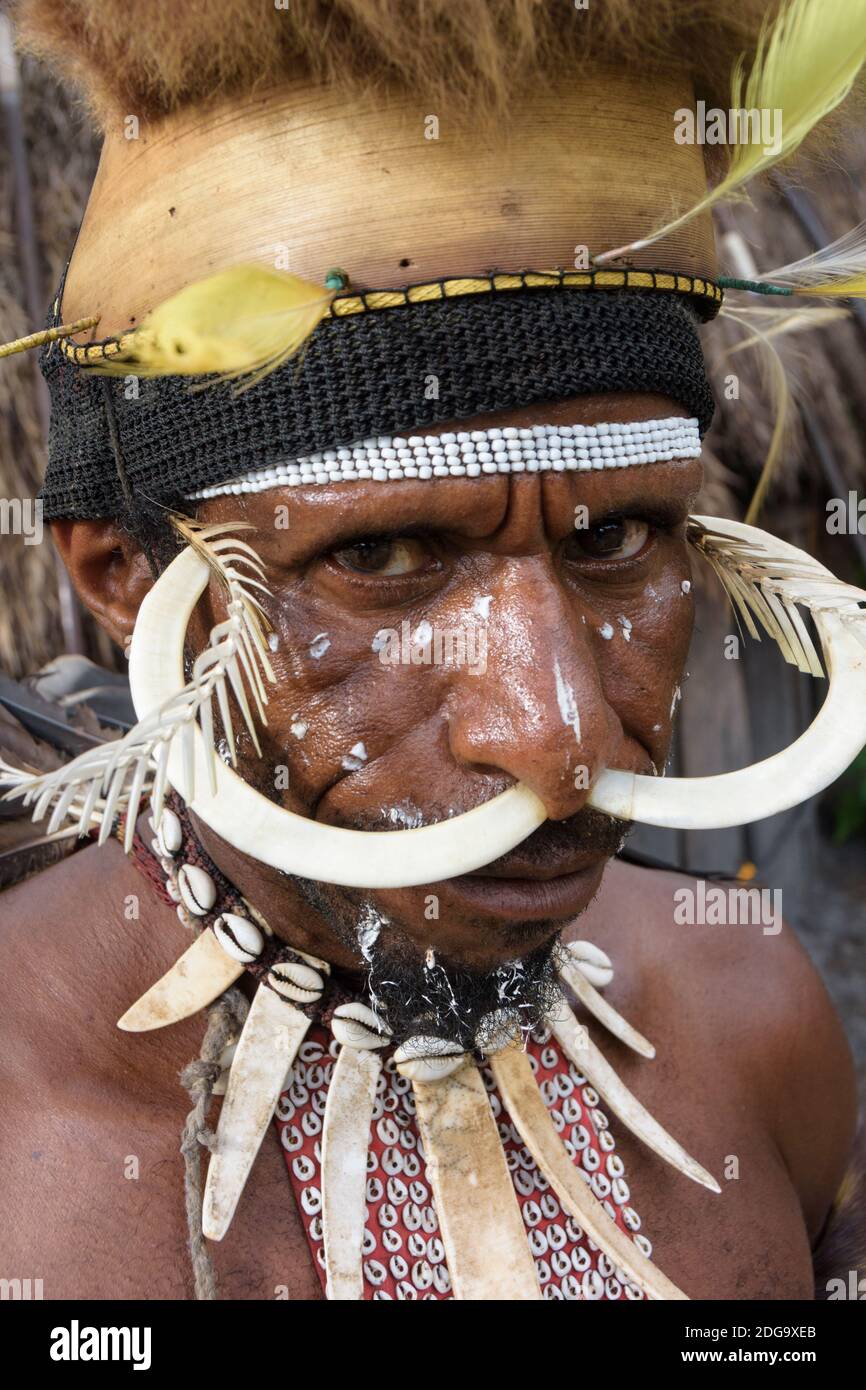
x=77, y=943
x=724, y=972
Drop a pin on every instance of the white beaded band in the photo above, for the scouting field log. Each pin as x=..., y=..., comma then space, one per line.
x=544, y=448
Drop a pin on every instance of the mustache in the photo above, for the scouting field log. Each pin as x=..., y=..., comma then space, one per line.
x=588, y=830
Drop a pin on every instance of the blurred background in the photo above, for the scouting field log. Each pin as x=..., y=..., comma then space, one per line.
x=733, y=711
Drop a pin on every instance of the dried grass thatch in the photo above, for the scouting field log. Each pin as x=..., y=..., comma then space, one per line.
x=61, y=157
x=824, y=365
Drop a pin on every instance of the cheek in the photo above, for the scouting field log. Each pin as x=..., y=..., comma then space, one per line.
x=371, y=734
x=344, y=715
x=642, y=660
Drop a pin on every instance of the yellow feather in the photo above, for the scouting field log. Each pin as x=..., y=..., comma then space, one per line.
x=852, y=288
x=805, y=65
x=241, y=322
x=837, y=271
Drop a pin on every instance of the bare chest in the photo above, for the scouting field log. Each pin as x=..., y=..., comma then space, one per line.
x=94, y=1204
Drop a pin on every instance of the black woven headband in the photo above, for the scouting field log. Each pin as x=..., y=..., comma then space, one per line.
x=365, y=374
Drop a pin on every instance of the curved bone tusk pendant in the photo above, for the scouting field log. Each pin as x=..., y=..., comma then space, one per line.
x=345, y=1140
x=522, y=1100
x=482, y=1228
x=202, y=973
x=268, y=1045
x=588, y=1060
x=590, y=998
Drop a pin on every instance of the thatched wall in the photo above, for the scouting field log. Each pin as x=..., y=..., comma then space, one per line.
x=61, y=156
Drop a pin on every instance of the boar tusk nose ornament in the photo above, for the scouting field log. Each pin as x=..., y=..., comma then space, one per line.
x=766, y=578
x=280, y=838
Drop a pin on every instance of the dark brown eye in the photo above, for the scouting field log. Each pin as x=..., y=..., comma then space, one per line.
x=384, y=557
x=617, y=539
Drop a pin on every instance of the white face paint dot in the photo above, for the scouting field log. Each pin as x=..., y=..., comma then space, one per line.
x=319, y=645
x=299, y=728
x=273, y=641
x=606, y=631
x=355, y=758
x=686, y=586
x=407, y=815
x=625, y=624
x=481, y=606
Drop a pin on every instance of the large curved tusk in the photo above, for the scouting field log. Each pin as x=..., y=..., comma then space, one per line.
x=293, y=843
x=522, y=1100
x=586, y=1057
x=596, y=1004
x=199, y=976
x=268, y=1045
x=345, y=1141
x=429, y=854
x=482, y=1227
x=808, y=765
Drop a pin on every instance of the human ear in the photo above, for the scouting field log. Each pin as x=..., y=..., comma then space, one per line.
x=109, y=570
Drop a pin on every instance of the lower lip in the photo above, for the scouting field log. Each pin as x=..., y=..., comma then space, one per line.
x=526, y=899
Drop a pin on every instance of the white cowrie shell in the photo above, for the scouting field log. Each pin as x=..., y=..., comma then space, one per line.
x=354, y=1025
x=169, y=835
x=311, y=1200
x=196, y=888
x=592, y=962
x=239, y=937
x=291, y=980
x=428, y=1059
x=321, y=966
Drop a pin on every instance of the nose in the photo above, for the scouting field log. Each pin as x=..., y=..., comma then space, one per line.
x=538, y=711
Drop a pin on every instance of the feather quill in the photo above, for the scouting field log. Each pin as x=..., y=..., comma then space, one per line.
x=836, y=271
x=776, y=323
x=240, y=323
x=47, y=335
x=767, y=589
x=806, y=63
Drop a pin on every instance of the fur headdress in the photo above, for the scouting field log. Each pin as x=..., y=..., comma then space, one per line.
x=481, y=53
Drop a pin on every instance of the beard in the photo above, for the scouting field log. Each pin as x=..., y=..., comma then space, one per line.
x=431, y=994
x=414, y=992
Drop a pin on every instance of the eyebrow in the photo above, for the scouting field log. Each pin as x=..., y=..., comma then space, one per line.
x=334, y=515
x=349, y=511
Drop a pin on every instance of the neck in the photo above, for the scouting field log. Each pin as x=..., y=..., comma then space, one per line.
x=277, y=899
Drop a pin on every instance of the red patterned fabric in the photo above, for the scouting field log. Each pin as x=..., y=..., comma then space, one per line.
x=404, y=1257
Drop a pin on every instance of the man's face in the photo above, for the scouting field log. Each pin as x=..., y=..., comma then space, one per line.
x=435, y=641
